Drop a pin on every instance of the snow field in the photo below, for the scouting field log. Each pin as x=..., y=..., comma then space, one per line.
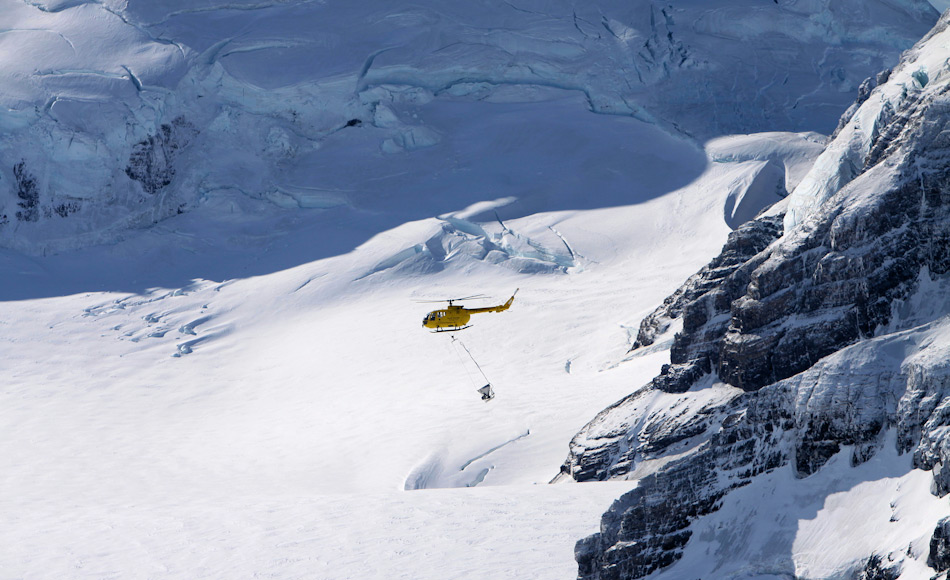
x=457, y=533
x=318, y=384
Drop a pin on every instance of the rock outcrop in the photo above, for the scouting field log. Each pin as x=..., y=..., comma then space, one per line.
x=703, y=303
x=27, y=193
x=877, y=569
x=152, y=160
x=939, y=558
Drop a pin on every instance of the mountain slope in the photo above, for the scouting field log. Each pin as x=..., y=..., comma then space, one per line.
x=826, y=346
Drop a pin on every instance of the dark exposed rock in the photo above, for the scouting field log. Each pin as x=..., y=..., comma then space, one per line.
x=63, y=209
x=635, y=548
x=679, y=378
x=939, y=558
x=926, y=414
x=800, y=422
x=838, y=276
x=876, y=569
x=28, y=192
x=599, y=453
x=152, y=160
x=704, y=296
x=647, y=528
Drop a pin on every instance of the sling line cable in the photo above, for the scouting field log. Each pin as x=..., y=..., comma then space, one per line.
x=486, y=391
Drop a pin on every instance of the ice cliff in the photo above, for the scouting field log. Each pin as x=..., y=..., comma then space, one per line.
x=818, y=344
x=119, y=113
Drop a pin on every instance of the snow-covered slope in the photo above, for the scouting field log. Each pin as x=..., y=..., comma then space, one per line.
x=868, y=127
x=807, y=391
x=315, y=386
x=218, y=215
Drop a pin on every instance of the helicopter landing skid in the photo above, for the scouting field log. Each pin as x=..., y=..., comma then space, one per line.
x=450, y=329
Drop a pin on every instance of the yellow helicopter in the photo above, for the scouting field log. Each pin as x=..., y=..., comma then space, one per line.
x=454, y=317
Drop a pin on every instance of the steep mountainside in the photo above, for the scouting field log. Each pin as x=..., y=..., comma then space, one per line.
x=829, y=340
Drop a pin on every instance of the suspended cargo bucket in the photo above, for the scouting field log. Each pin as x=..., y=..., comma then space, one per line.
x=487, y=393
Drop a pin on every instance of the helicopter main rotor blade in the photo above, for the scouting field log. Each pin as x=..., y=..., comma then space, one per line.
x=473, y=297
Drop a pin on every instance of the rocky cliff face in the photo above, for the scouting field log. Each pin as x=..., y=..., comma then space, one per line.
x=796, y=348
x=848, y=403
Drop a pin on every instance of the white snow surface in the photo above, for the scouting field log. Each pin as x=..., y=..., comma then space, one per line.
x=298, y=419
x=922, y=72
x=245, y=389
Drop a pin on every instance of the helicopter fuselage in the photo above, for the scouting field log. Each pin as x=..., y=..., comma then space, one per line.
x=455, y=317
x=452, y=317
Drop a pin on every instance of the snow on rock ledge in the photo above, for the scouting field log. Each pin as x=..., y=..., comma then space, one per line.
x=880, y=397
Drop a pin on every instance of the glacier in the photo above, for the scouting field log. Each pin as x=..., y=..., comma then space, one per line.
x=186, y=103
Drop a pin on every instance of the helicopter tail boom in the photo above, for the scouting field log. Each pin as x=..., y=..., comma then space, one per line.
x=499, y=308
